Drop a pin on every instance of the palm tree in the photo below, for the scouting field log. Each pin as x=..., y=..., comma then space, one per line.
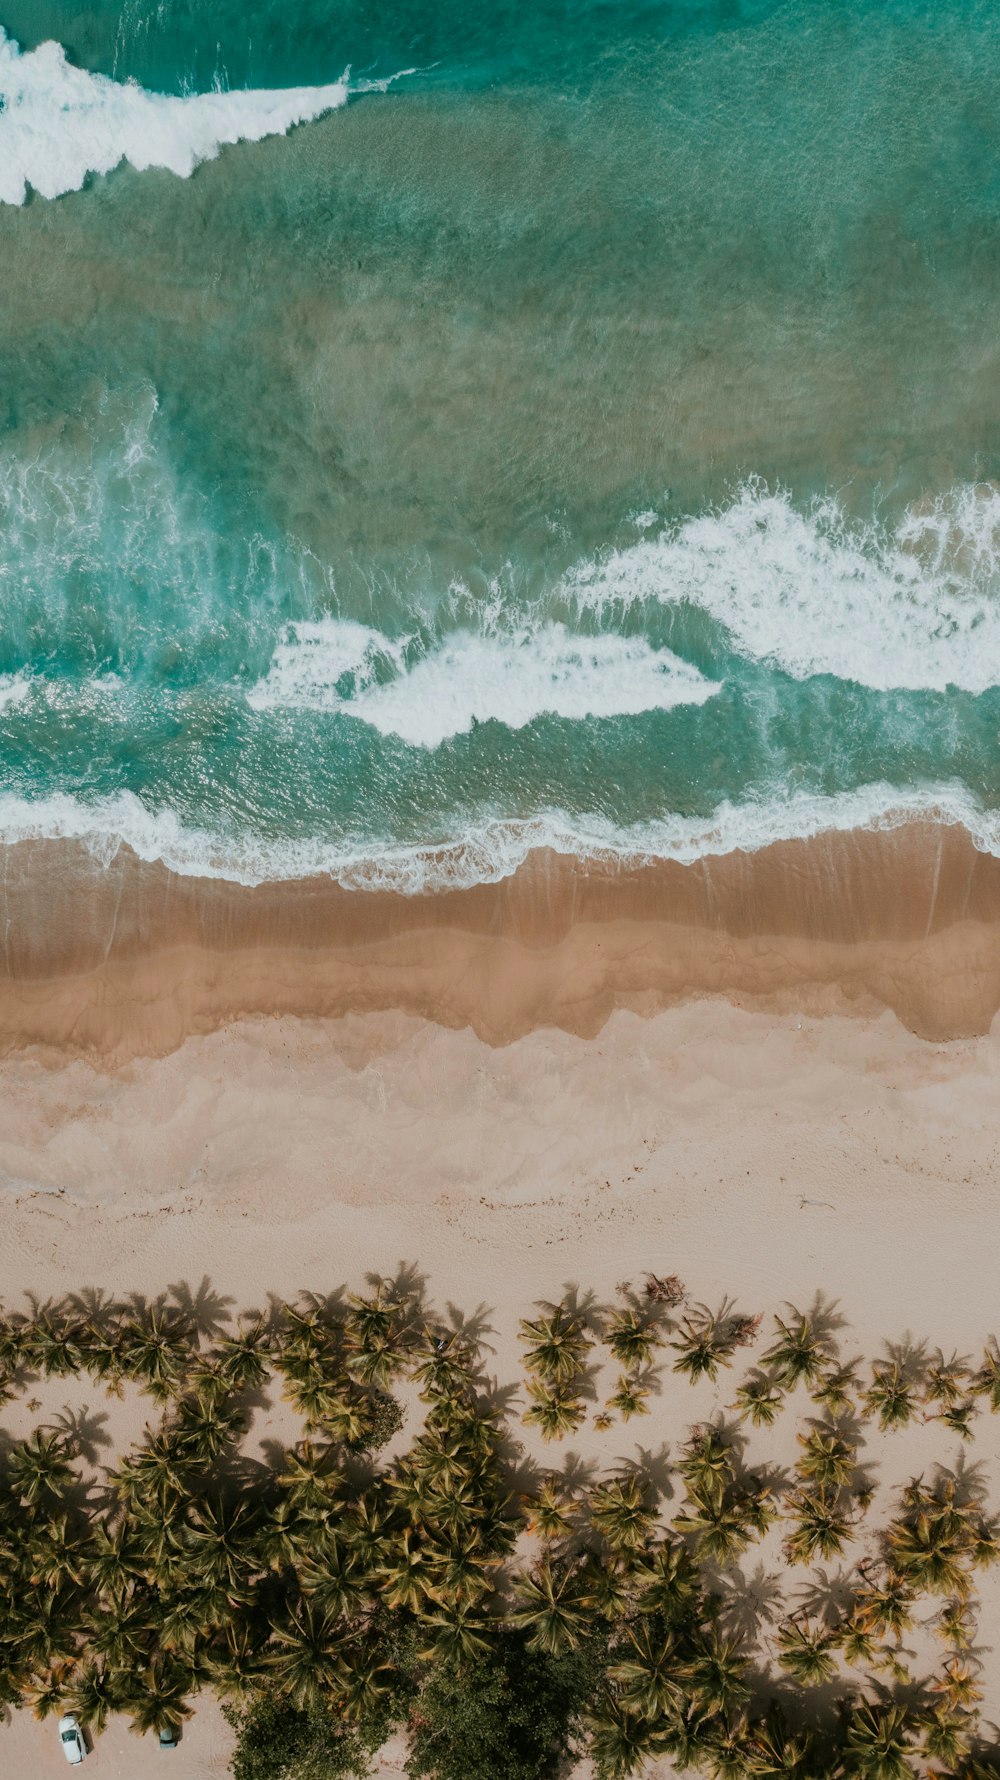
x=620, y=1743
x=305, y=1657
x=986, y=1380
x=758, y=1402
x=157, y=1699
x=220, y=1540
x=828, y=1460
x=631, y=1397
x=632, y=1338
x=52, y=1346
x=716, y=1676
x=700, y=1347
x=877, y=1743
x=958, y=1685
x=945, y=1735
x=646, y=1673
x=708, y=1462
x=774, y=1752
x=455, y=1636
x=797, y=1355
x=885, y=1607
x=550, y=1509
x=91, y=1695
x=155, y=1351
x=553, y=1413
x=836, y=1388
x=549, y=1609
x=605, y=1586
x=38, y=1468
x=668, y=1582
x=890, y=1395
x=405, y=1577
x=45, y=1694
x=241, y=1360
x=804, y=1652
x=114, y=1560
x=557, y=1344
x=821, y=1527
x=330, y=1575
x=619, y=1510
x=946, y=1380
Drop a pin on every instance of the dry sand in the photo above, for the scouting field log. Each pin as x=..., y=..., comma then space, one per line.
x=761, y=1156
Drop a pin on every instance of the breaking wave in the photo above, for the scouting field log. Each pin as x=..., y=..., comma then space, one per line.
x=915, y=606
x=59, y=123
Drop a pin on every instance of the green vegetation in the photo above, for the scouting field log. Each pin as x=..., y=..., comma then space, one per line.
x=406, y=1565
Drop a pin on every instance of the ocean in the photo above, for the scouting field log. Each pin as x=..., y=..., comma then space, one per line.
x=432, y=432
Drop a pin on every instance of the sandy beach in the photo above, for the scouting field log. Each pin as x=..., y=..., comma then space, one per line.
x=762, y=1157
x=118, y=958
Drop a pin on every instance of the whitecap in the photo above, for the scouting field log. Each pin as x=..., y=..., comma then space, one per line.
x=507, y=676
x=914, y=606
x=59, y=123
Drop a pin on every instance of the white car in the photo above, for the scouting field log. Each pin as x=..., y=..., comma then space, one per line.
x=71, y=1737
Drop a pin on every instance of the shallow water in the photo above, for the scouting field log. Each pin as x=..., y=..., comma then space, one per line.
x=590, y=436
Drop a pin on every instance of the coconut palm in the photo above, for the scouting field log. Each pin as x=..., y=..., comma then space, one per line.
x=716, y=1677
x=92, y=1694
x=821, y=1528
x=553, y=1413
x=797, y=1355
x=700, y=1347
x=837, y=1387
x=958, y=1684
x=406, y=1579
x=877, y=1743
x=946, y=1380
x=645, y=1671
x=241, y=1360
x=155, y=1349
x=632, y=1337
x=709, y=1461
x=304, y=1660
x=550, y=1509
x=667, y=1581
x=985, y=1380
x=775, y=1752
x=619, y=1511
x=556, y=1344
x=605, y=1586
x=631, y=1397
x=454, y=1635
x=804, y=1652
x=958, y=1416
x=890, y=1395
x=549, y=1608
x=828, y=1461
x=38, y=1469
x=114, y=1559
x=332, y=1578
x=956, y=1625
x=619, y=1742
x=220, y=1542
x=884, y=1607
x=758, y=1401
x=52, y=1345
x=945, y=1735
x=45, y=1694
x=157, y=1698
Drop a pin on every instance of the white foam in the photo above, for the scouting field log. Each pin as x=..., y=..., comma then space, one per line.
x=916, y=606
x=508, y=677
x=14, y=689
x=486, y=851
x=59, y=123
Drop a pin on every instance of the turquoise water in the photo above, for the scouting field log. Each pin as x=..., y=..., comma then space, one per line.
x=588, y=436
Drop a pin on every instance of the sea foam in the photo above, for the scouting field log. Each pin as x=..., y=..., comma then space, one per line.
x=59, y=123
x=912, y=606
x=482, y=851
x=509, y=677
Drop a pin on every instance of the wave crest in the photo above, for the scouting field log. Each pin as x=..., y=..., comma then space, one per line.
x=915, y=607
x=59, y=123
x=509, y=677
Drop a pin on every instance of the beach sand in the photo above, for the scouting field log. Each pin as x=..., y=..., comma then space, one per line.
x=763, y=1157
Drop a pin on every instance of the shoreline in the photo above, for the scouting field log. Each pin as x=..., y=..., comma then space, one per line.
x=125, y=959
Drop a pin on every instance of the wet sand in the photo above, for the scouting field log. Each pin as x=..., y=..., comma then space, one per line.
x=125, y=958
